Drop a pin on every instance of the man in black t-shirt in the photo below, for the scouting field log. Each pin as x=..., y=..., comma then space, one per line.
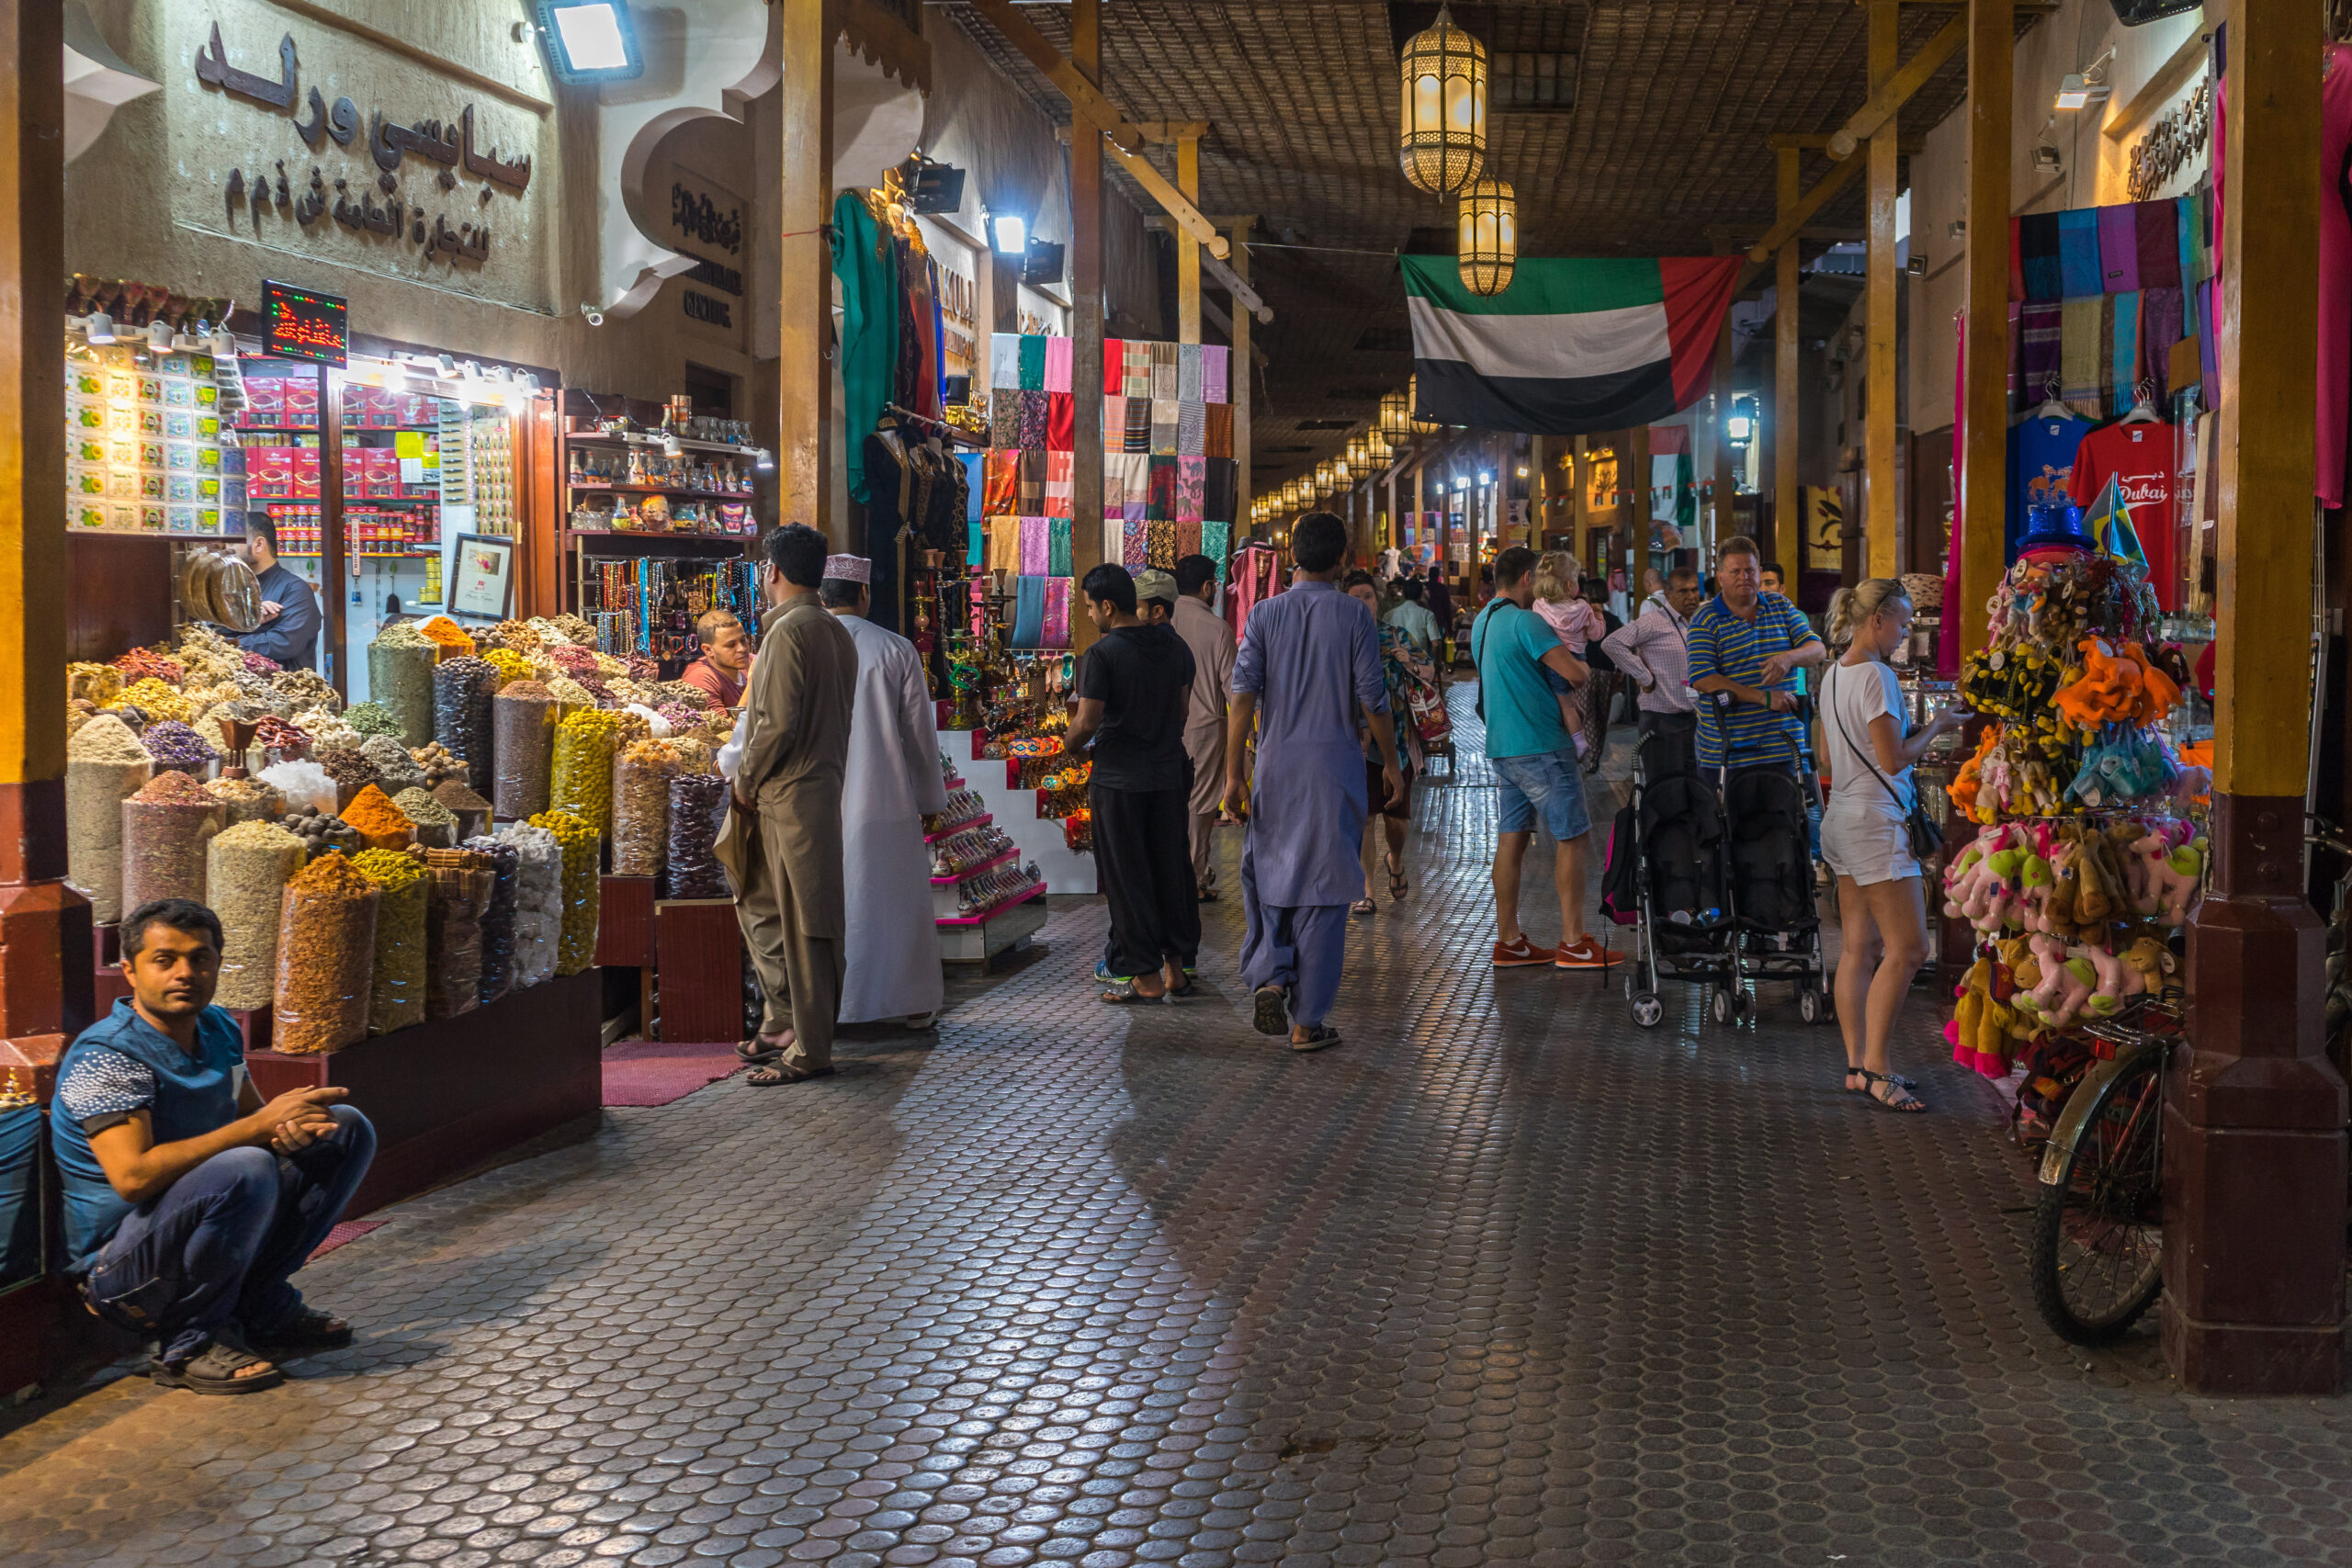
x=1135, y=687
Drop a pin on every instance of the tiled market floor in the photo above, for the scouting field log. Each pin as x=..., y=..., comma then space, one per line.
x=1502, y=1279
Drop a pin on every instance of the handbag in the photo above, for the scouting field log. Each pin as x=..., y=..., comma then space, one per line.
x=1926, y=840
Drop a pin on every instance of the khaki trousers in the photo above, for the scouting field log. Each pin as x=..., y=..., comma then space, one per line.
x=1204, y=830
x=801, y=976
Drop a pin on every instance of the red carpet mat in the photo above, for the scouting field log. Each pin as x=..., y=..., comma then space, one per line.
x=349, y=1230
x=648, y=1072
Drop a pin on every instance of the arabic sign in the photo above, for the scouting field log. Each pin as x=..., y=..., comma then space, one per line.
x=414, y=192
x=299, y=324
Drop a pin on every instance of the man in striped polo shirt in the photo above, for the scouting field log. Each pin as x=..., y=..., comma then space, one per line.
x=1743, y=643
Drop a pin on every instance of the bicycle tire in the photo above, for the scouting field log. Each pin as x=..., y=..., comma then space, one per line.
x=2108, y=1177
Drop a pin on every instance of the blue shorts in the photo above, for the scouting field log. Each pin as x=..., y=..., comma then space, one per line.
x=1548, y=782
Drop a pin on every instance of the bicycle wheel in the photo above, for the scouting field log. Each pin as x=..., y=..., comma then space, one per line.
x=2097, y=1252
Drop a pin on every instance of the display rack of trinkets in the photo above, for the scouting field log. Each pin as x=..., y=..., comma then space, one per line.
x=1011, y=709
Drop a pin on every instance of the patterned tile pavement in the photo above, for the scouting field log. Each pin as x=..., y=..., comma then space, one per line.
x=1503, y=1279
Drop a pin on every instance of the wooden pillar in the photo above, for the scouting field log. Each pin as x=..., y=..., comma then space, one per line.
x=1188, y=250
x=1723, y=517
x=804, y=373
x=1539, y=489
x=1086, y=325
x=1579, y=505
x=2254, y=1113
x=1421, y=495
x=335, y=540
x=1882, y=502
x=1239, y=366
x=1637, y=482
x=1788, y=499
x=1978, y=487
x=46, y=960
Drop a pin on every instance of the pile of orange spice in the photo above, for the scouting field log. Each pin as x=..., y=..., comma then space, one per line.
x=379, y=823
x=454, y=642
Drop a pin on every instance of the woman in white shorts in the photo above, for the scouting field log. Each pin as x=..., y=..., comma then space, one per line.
x=1881, y=913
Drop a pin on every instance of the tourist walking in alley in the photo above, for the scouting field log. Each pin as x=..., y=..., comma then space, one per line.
x=1535, y=763
x=891, y=954
x=1652, y=651
x=782, y=845
x=1210, y=639
x=1744, y=644
x=1135, y=690
x=1883, y=916
x=1308, y=657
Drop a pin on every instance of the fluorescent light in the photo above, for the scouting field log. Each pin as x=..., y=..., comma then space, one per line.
x=1011, y=233
x=2072, y=93
x=591, y=35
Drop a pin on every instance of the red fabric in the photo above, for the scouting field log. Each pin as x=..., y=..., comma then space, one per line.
x=2140, y=459
x=1115, y=370
x=2016, y=263
x=1698, y=294
x=1669, y=440
x=1001, y=482
x=1061, y=421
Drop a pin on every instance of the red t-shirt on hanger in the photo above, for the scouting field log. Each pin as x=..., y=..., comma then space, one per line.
x=2140, y=459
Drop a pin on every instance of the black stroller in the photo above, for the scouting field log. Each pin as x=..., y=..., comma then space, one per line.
x=1715, y=875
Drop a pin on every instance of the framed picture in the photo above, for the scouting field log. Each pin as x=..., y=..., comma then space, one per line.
x=482, y=577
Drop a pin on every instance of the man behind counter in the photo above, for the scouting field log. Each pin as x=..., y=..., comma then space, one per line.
x=725, y=667
x=289, y=632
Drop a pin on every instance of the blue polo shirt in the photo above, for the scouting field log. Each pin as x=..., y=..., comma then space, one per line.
x=1721, y=643
x=120, y=1064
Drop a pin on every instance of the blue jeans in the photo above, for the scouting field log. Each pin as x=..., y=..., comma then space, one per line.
x=221, y=1244
x=1547, y=782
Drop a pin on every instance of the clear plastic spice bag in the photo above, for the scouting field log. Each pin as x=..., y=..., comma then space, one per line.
x=522, y=749
x=396, y=983
x=399, y=679
x=581, y=890
x=464, y=690
x=164, y=838
x=538, y=901
x=690, y=869
x=498, y=916
x=94, y=792
x=583, y=781
x=641, y=776
x=458, y=888
x=326, y=958
x=247, y=869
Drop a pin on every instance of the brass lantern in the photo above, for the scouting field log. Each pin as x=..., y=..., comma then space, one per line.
x=1443, y=141
x=1413, y=421
x=1487, y=243
x=1395, y=416
x=1343, y=472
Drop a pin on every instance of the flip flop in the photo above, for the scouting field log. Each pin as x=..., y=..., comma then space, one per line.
x=1123, y=992
x=775, y=1073
x=756, y=1050
x=1317, y=1038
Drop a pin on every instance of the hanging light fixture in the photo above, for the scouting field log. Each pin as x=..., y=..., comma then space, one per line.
x=1395, y=418
x=1488, y=242
x=1443, y=139
x=1413, y=422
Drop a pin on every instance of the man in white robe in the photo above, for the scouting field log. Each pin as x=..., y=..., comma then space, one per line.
x=892, y=969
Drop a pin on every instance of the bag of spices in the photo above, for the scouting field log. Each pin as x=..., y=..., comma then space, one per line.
x=395, y=768
x=583, y=781
x=326, y=956
x=576, y=945
x=458, y=889
x=538, y=901
x=463, y=691
x=247, y=800
x=399, y=679
x=104, y=765
x=247, y=869
x=436, y=828
x=379, y=824
x=350, y=771
x=396, y=982
x=472, y=811
x=174, y=745
x=522, y=749
x=167, y=828
x=641, y=776
x=498, y=916
x=691, y=868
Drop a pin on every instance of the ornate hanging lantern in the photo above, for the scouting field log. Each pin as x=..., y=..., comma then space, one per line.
x=1443, y=141
x=1413, y=423
x=1488, y=242
x=1395, y=416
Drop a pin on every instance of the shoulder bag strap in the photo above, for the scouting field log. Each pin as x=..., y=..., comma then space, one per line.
x=1830, y=701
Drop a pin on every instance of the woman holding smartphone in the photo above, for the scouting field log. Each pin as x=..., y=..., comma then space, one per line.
x=1868, y=754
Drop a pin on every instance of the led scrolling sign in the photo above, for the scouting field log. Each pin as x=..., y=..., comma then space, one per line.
x=389, y=144
x=299, y=324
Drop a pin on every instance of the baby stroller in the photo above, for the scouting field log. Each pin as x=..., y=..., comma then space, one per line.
x=1715, y=875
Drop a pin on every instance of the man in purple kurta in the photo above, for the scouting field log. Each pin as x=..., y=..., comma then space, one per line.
x=1308, y=658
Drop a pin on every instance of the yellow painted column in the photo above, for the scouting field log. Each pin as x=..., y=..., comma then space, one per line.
x=1188, y=250
x=1788, y=499
x=1882, y=503
x=1238, y=369
x=805, y=282
x=1979, y=485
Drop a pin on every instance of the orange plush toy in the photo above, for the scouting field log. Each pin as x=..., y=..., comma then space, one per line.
x=1969, y=782
x=2158, y=691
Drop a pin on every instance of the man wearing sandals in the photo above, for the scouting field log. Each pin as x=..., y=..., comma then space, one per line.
x=189, y=1203
x=1211, y=643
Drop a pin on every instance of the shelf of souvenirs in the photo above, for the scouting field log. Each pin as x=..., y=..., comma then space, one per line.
x=1010, y=853
x=655, y=473
x=964, y=809
x=1019, y=886
x=642, y=440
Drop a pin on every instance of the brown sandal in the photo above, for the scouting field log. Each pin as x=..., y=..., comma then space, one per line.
x=775, y=1073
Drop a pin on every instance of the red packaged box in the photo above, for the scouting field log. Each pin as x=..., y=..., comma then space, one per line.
x=411, y=408
x=301, y=410
x=272, y=468
x=264, y=401
x=306, y=473
x=382, y=466
x=383, y=408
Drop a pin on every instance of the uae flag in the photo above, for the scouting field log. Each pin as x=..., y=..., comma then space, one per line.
x=1573, y=347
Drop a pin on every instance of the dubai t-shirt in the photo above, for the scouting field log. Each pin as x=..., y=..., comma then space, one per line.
x=2041, y=465
x=2139, y=458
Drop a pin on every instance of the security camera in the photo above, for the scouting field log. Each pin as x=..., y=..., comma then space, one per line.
x=595, y=317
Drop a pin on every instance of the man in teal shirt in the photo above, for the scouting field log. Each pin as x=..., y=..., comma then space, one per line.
x=1534, y=762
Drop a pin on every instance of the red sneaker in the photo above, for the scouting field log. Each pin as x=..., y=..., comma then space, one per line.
x=1518, y=955
x=1585, y=954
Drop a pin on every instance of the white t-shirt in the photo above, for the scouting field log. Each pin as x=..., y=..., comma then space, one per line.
x=1852, y=695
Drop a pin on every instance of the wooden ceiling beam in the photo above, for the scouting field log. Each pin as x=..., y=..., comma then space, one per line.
x=1909, y=78
x=1169, y=131
x=1797, y=216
